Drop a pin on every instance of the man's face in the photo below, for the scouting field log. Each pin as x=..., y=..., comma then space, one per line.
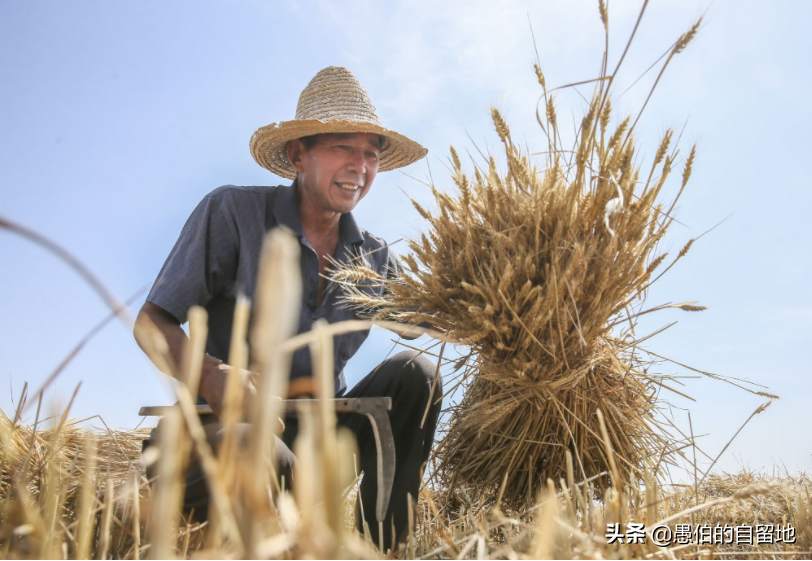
x=337, y=171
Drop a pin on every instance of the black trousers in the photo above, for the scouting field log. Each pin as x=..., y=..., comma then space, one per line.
x=407, y=378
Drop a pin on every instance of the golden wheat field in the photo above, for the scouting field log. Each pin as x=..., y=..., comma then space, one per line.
x=69, y=493
x=536, y=266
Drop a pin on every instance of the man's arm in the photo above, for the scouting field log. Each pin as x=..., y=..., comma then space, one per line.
x=214, y=374
x=200, y=266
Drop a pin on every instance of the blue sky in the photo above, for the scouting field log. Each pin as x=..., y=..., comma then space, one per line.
x=117, y=118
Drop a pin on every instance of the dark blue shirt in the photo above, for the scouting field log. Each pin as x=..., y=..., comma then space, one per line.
x=216, y=258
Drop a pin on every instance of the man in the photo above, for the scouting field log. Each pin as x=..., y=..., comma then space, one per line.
x=332, y=151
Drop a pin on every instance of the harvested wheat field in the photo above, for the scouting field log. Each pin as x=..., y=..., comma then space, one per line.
x=536, y=266
x=70, y=494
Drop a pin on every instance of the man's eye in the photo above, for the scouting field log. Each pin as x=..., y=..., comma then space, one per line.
x=371, y=155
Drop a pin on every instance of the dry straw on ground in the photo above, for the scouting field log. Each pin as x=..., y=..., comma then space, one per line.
x=90, y=478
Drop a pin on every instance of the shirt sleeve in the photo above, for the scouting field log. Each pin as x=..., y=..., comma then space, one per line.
x=203, y=262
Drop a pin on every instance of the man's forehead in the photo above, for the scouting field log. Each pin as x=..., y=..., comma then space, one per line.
x=370, y=138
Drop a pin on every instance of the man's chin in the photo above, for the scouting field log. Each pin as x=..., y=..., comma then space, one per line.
x=345, y=206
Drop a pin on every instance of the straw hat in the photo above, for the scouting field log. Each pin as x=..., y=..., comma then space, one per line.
x=333, y=101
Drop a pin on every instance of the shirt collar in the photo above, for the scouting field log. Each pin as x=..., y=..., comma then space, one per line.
x=286, y=211
x=349, y=231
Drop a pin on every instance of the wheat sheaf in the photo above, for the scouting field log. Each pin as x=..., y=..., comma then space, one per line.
x=542, y=272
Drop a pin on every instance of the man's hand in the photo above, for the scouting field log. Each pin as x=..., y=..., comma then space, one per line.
x=214, y=382
x=214, y=375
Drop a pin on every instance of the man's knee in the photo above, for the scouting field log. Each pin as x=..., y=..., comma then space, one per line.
x=419, y=371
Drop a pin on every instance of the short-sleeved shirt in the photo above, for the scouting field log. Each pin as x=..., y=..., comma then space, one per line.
x=216, y=258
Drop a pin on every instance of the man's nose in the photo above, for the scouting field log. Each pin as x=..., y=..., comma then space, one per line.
x=357, y=163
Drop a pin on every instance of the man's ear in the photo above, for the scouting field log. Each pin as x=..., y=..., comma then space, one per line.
x=294, y=150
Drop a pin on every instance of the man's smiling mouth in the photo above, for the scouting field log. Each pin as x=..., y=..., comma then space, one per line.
x=348, y=186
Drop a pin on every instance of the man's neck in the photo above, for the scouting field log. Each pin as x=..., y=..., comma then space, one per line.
x=317, y=223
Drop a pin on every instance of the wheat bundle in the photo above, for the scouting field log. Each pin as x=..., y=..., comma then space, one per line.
x=26, y=454
x=540, y=270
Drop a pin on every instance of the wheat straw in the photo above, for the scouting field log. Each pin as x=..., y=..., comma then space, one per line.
x=541, y=270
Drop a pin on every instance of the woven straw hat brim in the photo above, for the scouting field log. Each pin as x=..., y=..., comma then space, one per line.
x=268, y=143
